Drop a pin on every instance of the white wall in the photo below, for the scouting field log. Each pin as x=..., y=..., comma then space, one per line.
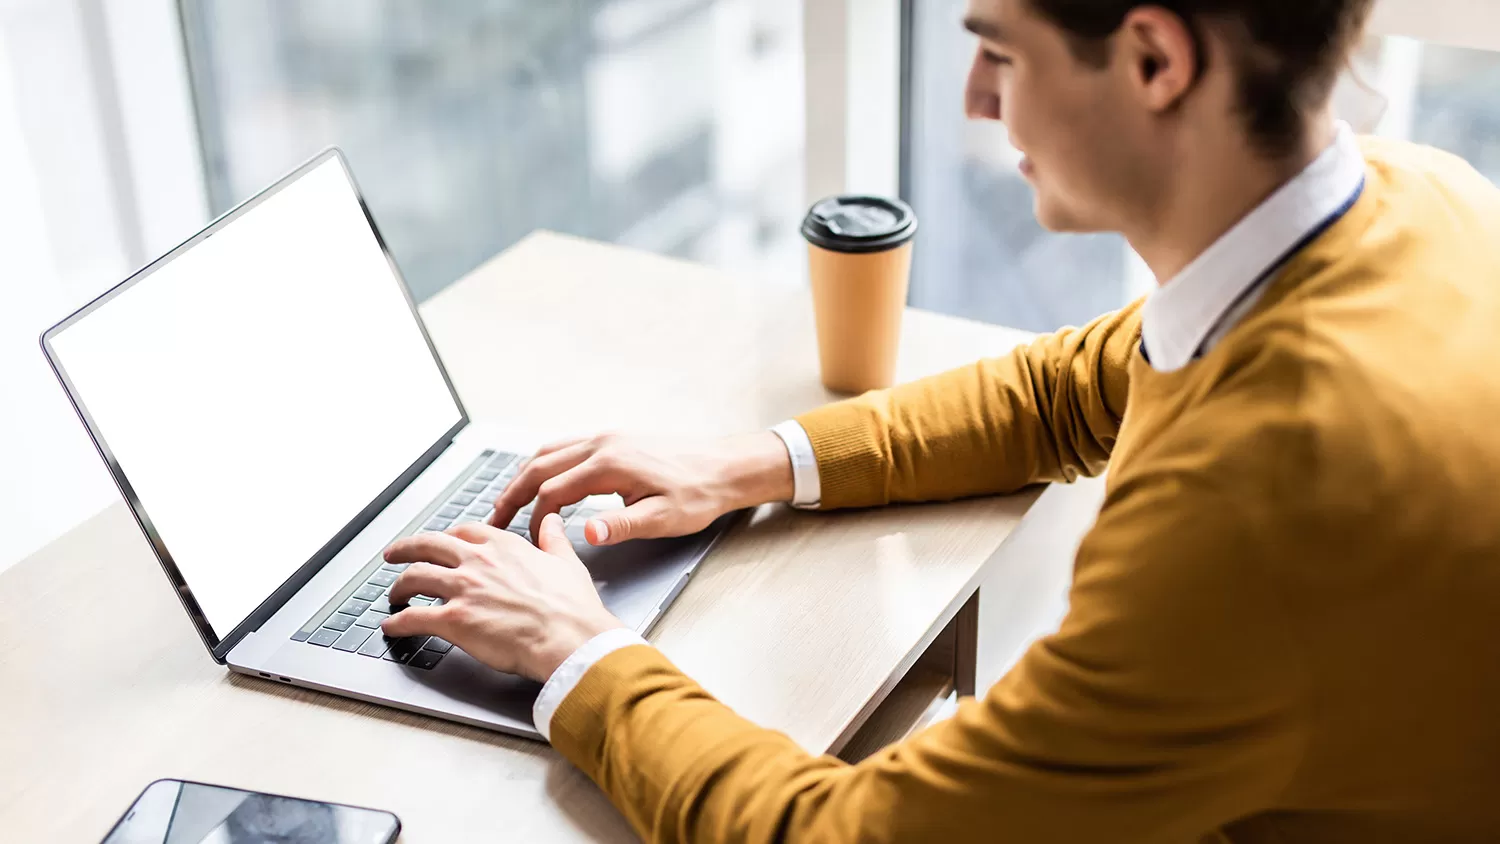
x=98, y=170
x=49, y=476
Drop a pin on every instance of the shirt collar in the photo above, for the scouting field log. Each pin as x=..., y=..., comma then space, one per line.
x=1185, y=314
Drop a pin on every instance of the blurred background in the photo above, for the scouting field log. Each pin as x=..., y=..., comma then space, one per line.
x=695, y=128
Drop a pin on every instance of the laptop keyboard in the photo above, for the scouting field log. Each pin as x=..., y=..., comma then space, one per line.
x=350, y=623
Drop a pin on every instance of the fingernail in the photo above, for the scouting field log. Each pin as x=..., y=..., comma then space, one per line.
x=601, y=531
x=553, y=522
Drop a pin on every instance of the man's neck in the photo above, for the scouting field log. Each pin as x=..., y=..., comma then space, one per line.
x=1211, y=195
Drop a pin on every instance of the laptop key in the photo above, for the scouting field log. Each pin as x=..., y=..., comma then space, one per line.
x=395, y=567
x=442, y=646
x=463, y=499
x=324, y=637
x=340, y=622
x=438, y=524
x=575, y=532
x=355, y=607
x=375, y=646
x=487, y=475
x=371, y=619
x=426, y=659
x=382, y=578
x=475, y=487
x=381, y=604
x=404, y=649
x=352, y=639
x=368, y=592
x=449, y=512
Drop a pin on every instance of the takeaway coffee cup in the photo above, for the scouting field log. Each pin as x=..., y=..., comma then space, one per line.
x=859, y=261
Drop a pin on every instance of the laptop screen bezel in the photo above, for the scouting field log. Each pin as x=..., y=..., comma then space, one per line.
x=217, y=646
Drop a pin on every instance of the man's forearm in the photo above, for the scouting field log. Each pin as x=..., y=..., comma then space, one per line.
x=1049, y=411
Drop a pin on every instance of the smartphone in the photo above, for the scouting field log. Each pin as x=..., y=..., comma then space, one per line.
x=179, y=812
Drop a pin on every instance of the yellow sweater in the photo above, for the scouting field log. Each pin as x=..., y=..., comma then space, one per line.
x=1284, y=627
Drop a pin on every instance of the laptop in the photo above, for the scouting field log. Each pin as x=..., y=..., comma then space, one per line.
x=274, y=414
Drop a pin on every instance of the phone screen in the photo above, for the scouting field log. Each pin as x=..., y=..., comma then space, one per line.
x=177, y=812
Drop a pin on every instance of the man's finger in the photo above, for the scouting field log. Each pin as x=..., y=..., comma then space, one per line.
x=553, y=539
x=422, y=579
x=474, y=532
x=418, y=621
x=645, y=519
x=585, y=479
x=428, y=547
x=559, y=445
x=523, y=486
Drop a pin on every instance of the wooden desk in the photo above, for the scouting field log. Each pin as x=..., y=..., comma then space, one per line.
x=803, y=622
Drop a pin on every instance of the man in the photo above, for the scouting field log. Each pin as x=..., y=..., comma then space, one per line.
x=1282, y=625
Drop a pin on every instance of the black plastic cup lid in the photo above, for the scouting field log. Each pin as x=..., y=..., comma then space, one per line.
x=859, y=224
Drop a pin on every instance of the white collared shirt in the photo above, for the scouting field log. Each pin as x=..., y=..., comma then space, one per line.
x=1191, y=313
x=1181, y=319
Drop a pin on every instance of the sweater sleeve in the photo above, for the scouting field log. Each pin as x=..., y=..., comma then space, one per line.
x=1169, y=704
x=1049, y=411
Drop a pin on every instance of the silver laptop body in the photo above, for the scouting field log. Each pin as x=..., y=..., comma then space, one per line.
x=268, y=401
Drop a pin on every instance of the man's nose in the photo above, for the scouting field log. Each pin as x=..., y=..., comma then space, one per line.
x=981, y=96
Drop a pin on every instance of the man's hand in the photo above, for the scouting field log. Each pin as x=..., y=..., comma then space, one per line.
x=516, y=607
x=670, y=489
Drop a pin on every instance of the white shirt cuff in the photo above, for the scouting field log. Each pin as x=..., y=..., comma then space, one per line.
x=567, y=676
x=807, y=489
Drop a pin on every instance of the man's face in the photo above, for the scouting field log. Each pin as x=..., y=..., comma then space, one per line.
x=1069, y=118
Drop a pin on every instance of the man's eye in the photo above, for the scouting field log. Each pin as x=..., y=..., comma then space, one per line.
x=996, y=58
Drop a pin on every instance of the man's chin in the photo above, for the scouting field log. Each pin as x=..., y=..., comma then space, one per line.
x=1055, y=217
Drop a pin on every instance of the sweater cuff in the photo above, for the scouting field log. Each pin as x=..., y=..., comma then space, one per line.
x=848, y=438
x=567, y=676
x=581, y=724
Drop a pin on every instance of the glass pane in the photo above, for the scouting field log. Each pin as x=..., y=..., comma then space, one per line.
x=1448, y=97
x=670, y=125
x=982, y=254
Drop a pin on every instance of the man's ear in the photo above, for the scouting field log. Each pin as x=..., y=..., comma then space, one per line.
x=1161, y=53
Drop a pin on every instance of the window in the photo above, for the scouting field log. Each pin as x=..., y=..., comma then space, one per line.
x=984, y=256
x=670, y=125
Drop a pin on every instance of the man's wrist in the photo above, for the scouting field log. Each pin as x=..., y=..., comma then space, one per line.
x=759, y=471
x=564, y=637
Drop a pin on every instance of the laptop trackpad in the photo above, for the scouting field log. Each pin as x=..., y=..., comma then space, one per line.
x=462, y=679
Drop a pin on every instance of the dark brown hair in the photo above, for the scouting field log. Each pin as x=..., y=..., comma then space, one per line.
x=1289, y=60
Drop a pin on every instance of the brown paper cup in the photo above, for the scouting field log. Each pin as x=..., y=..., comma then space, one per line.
x=859, y=263
x=858, y=300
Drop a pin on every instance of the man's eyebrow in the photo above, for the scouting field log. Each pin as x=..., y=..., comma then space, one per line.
x=988, y=30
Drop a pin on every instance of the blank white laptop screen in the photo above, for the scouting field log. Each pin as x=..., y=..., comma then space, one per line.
x=260, y=389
